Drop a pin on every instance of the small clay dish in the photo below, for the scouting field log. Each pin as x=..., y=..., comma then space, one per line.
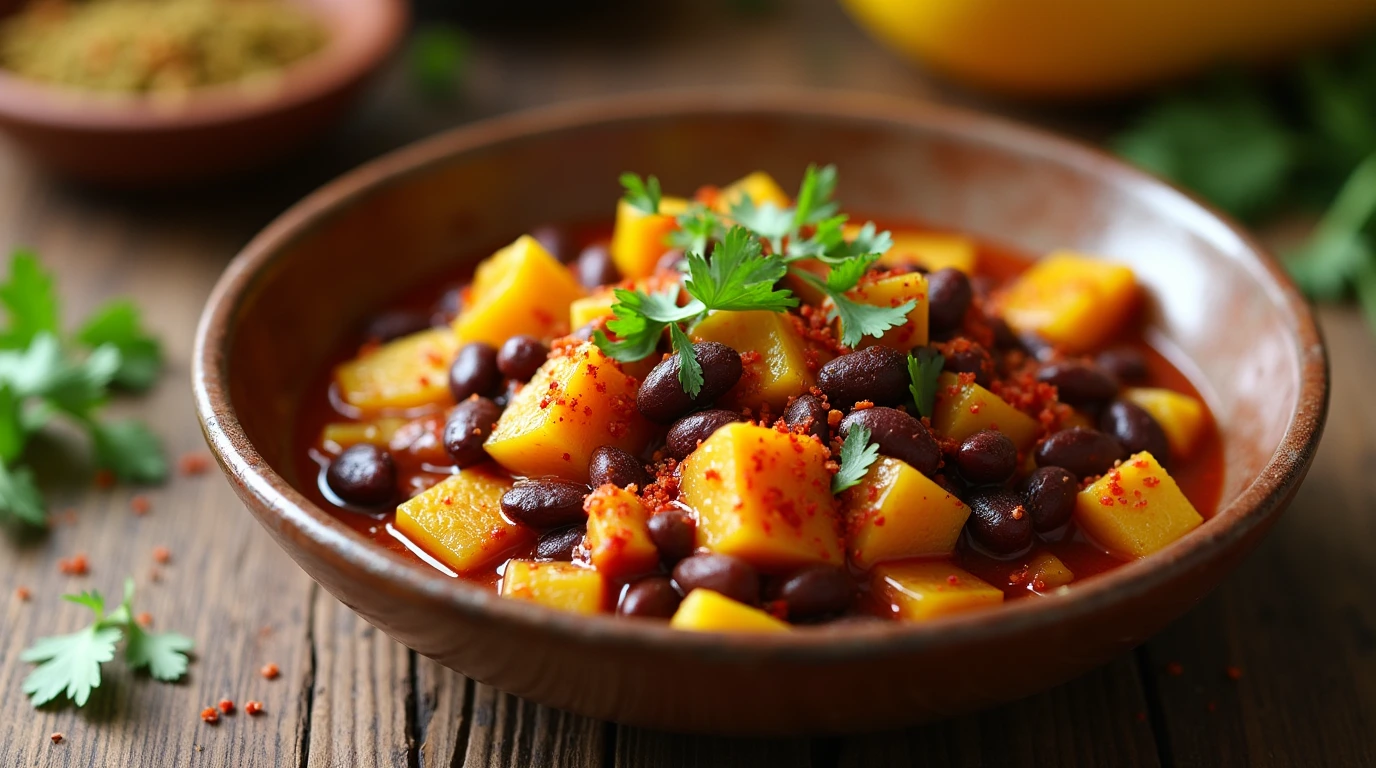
x=224, y=130
x=1217, y=304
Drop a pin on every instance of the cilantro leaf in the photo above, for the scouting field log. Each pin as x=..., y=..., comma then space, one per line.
x=924, y=368
x=845, y=275
x=866, y=241
x=438, y=56
x=738, y=277
x=1337, y=250
x=13, y=430
x=859, y=320
x=689, y=369
x=857, y=454
x=644, y=196
x=130, y=450
x=768, y=220
x=697, y=226
x=814, y=202
x=118, y=324
x=69, y=665
x=30, y=300
x=162, y=653
x=639, y=320
x=19, y=497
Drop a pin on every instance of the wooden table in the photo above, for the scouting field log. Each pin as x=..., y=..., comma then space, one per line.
x=1298, y=618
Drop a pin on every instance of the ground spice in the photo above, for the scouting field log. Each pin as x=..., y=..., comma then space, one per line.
x=270, y=671
x=254, y=708
x=1175, y=669
x=210, y=715
x=227, y=706
x=141, y=505
x=1233, y=673
x=162, y=554
x=57, y=737
x=193, y=464
x=23, y=594
x=75, y=565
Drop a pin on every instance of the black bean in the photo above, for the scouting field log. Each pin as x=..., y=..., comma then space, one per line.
x=1136, y=429
x=610, y=464
x=554, y=240
x=948, y=297
x=878, y=374
x=447, y=307
x=817, y=591
x=725, y=574
x=661, y=397
x=545, y=503
x=364, y=475
x=560, y=543
x=987, y=457
x=1083, y=452
x=898, y=435
x=971, y=359
x=1079, y=383
x=807, y=411
x=650, y=598
x=983, y=285
x=521, y=356
x=999, y=522
x=595, y=267
x=1126, y=364
x=474, y=372
x=394, y=325
x=686, y=433
x=467, y=429
x=1004, y=338
x=1048, y=493
x=674, y=533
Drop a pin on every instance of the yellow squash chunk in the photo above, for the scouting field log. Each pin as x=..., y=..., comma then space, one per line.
x=706, y=611
x=780, y=369
x=638, y=238
x=564, y=586
x=460, y=522
x=763, y=496
x=1181, y=417
x=520, y=289
x=925, y=590
x=618, y=535
x=891, y=292
x=1074, y=301
x=805, y=291
x=897, y=513
x=930, y=250
x=576, y=402
x=589, y=308
x=1046, y=572
x=759, y=186
x=341, y=435
x=1136, y=509
x=404, y=373
x=963, y=409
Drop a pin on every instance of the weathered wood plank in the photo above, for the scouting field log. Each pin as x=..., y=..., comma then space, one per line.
x=509, y=731
x=442, y=716
x=637, y=747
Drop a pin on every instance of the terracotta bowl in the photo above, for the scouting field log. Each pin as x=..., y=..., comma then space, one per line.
x=1217, y=302
x=223, y=130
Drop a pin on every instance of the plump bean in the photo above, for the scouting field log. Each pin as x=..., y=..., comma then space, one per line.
x=595, y=267
x=1136, y=429
x=673, y=532
x=394, y=325
x=728, y=575
x=650, y=598
x=971, y=359
x=1079, y=383
x=610, y=464
x=948, y=295
x=1004, y=337
x=545, y=504
x=467, y=429
x=687, y=432
x=364, y=475
x=898, y=435
x=521, y=356
x=555, y=240
x=817, y=591
x=662, y=399
x=1126, y=364
x=1083, y=452
x=878, y=374
x=474, y=372
x=987, y=457
x=560, y=543
x=1049, y=496
x=999, y=522
x=808, y=412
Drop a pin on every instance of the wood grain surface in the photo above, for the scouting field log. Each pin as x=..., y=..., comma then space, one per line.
x=1298, y=619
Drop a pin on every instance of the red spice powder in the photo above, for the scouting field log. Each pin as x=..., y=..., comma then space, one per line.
x=57, y=737
x=162, y=554
x=210, y=715
x=75, y=565
x=1233, y=673
x=1175, y=669
x=270, y=671
x=105, y=478
x=253, y=708
x=227, y=706
x=23, y=594
x=141, y=505
x=193, y=464
x=145, y=619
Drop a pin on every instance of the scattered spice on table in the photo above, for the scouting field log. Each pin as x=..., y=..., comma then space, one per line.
x=162, y=554
x=105, y=478
x=141, y=505
x=1175, y=669
x=254, y=708
x=76, y=565
x=191, y=464
x=145, y=619
x=23, y=594
x=227, y=706
x=57, y=737
x=270, y=671
x=210, y=715
x=1233, y=673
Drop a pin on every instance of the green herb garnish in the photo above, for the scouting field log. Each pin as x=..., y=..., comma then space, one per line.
x=857, y=454
x=642, y=195
x=69, y=665
x=924, y=368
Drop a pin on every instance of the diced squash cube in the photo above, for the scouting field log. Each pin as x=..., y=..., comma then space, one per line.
x=589, y=308
x=763, y=496
x=1135, y=509
x=564, y=586
x=931, y=589
x=759, y=186
x=929, y=250
x=638, y=238
x=460, y=522
x=1181, y=417
x=777, y=371
x=897, y=513
x=1074, y=301
x=520, y=289
x=403, y=373
x=338, y=436
x=618, y=535
x=576, y=402
x=963, y=409
x=893, y=291
x=1046, y=572
x=804, y=290
x=706, y=611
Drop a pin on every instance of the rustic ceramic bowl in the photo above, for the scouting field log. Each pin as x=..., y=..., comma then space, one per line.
x=132, y=141
x=1217, y=303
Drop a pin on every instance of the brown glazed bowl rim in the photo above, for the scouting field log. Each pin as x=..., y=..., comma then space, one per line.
x=331, y=68
x=380, y=569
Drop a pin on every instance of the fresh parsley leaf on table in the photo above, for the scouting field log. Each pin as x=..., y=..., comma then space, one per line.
x=857, y=454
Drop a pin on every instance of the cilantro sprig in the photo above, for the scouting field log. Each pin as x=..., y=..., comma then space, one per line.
x=643, y=195
x=857, y=454
x=924, y=368
x=69, y=665
x=43, y=378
